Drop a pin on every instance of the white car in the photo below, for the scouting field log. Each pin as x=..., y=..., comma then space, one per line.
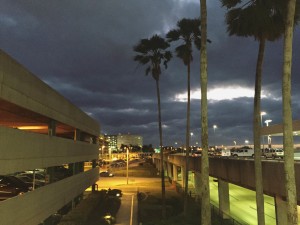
x=243, y=152
x=274, y=153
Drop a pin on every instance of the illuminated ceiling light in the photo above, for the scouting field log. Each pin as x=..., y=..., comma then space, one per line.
x=32, y=127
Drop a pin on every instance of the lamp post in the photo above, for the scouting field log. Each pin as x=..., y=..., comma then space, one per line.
x=127, y=156
x=215, y=127
x=269, y=136
x=261, y=121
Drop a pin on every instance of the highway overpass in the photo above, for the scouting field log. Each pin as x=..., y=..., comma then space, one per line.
x=238, y=171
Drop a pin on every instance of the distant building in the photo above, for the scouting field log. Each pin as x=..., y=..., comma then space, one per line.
x=111, y=143
x=129, y=139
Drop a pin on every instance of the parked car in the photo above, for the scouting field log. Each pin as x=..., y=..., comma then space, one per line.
x=273, y=153
x=11, y=186
x=114, y=192
x=106, y=174
x=37, y=176
x=243, y=152
x=29, y=181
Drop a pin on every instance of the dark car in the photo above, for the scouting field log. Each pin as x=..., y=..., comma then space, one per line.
x=11, y=186
x=106, y=174
x=114, y=192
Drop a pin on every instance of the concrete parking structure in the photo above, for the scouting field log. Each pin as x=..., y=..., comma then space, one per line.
x=39, y=128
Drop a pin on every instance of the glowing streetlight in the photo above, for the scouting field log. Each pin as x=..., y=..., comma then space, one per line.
x=246, y=142
x=267, y=122
x=261, y=121
x=269, y=136
x=261, y=116
x=215, y=127
x=127, y=157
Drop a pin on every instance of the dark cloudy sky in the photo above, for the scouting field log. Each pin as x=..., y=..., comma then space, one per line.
x=83, y=49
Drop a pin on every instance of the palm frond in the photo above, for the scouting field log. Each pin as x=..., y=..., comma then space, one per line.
x=173, y=35
x=230, y=3
x=153, y=52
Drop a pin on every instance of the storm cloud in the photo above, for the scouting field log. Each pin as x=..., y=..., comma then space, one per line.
x=84, y=50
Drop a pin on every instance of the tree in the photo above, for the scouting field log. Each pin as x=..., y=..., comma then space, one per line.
x=205, y=194
x=288, y=143
x=264, y=21
x=188, y=30
x=152, y=52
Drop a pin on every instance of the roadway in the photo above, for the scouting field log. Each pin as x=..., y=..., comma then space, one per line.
x=127, y=214
x=243, y=204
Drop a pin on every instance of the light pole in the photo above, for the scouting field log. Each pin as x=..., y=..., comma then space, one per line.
x=215, y=127
x=192, y=138
x=127, y=156
x=246, y=142
x=269, y=136
x=261, y=121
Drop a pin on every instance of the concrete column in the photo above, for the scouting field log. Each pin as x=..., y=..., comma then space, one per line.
x=77, y=135
x=281, y=210
x=197, y=184
x=169, y=170
x=157, y=163
x=52, y=128
x=175, y=173
x=224, y=202
x=94, y=166
x=183, y=177
x=50, y=173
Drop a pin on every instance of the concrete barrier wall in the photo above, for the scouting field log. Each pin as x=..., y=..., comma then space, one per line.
x=33, y=207
x=21, y=150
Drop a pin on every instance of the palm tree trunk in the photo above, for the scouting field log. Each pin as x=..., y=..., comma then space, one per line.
x=163, y=189
x=187, y=143
x=257, y=134
x=288, y=143
x=205, y=200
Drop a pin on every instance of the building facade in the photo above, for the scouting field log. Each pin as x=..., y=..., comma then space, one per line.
x=129, y=139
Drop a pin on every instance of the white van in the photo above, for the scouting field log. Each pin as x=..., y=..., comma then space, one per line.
x=243, y=152
x=225, y=152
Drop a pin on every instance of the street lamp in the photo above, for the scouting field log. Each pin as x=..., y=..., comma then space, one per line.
x=127, y=154
x=267, y=122
x=269, y=136
x=246, y=142
x=215, y=127
x=261, y=121
x=191, y=138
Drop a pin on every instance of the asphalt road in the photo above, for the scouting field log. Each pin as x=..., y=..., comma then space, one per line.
x=243, y=204
x=127, y=214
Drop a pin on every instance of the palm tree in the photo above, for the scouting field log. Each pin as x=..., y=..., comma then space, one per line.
x=288, y=142
x=188, y=30
x=205, y=194
x=264, y=21
x=152, y=52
